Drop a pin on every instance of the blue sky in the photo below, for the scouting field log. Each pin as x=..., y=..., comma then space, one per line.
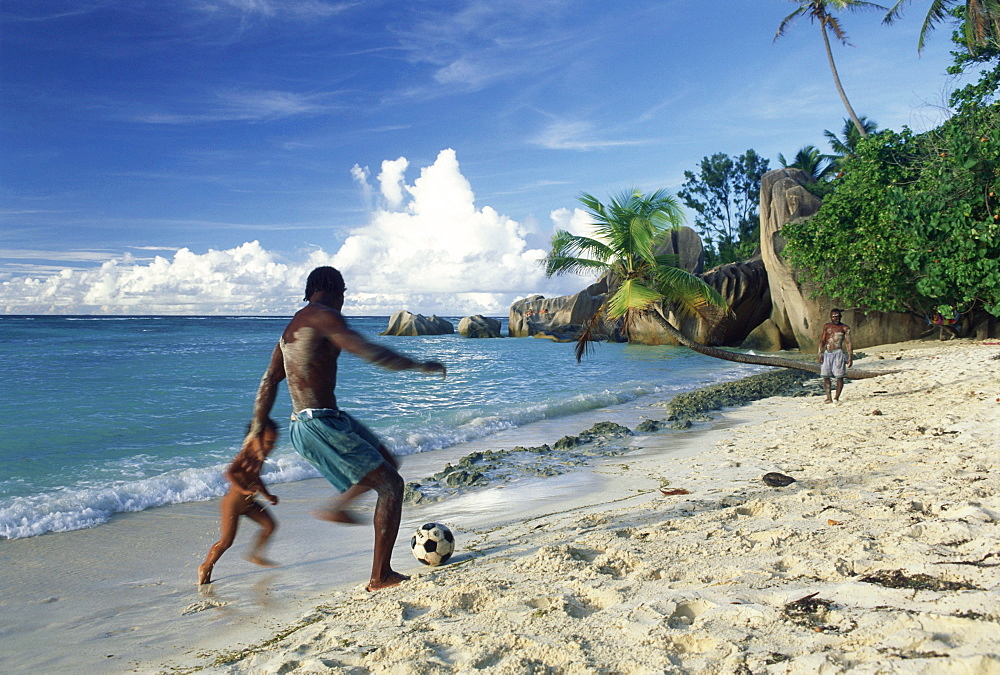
x=201, y=156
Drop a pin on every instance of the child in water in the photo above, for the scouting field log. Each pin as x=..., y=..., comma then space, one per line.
x=244, y=475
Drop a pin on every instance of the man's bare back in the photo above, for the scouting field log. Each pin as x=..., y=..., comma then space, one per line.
x=310, y=357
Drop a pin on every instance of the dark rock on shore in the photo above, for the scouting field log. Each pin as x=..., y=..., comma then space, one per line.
x=649, y=426
x=730, y=394
x=477, y=469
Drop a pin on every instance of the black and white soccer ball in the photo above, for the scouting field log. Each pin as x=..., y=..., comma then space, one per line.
x=432, y=544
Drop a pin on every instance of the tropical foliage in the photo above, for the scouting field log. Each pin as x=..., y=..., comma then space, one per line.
x=844, y=145
x=816, y=165
x=821, y=12
x=914, y=224
x=725, y=195
x=629, y=234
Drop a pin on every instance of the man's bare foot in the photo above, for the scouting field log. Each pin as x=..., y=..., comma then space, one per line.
x=829, y=400
x=263, y=562
x=336, y=516
x=393, y=579
x=204, y=574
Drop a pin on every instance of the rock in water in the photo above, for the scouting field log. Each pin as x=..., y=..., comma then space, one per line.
x=479, y=326
x=407, y=323
x=774, y=479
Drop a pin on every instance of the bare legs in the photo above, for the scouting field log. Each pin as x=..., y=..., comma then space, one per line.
x=826, y=388
x=338, y=511
x=267, y=527
x=388, y=485
x=232, y=507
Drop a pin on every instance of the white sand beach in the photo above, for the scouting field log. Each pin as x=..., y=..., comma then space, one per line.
x=882, y=557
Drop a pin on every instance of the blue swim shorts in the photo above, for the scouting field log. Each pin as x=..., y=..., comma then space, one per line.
x=343, y=449
x=834, y=364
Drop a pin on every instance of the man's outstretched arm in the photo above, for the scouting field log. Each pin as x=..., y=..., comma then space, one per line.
x=355, y=343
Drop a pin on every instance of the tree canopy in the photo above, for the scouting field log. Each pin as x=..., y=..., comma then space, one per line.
x=725, y=195
x=914, y=223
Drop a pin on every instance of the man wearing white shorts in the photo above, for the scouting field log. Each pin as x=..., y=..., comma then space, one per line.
x=836, y=354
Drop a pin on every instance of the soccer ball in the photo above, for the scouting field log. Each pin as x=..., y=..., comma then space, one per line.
x=432, y=544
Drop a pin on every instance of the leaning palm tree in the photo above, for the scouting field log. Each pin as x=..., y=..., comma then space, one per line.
x=818, y=11
x=628, y=232
x=810, y=160
x=982, y=20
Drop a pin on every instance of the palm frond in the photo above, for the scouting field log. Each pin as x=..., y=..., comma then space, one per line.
x=584, y=342
x=557, y=265
x=855, y=5
x=788, y=20
x=895, y=12
x=691, y=294
x=631, y=294
x=667, y=260
x=573, y=244
x=836, y=29
x=573, y=253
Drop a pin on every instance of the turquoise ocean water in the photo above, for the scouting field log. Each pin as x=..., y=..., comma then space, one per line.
x=103, y=415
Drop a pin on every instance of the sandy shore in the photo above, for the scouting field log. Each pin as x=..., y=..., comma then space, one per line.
x=882, y=557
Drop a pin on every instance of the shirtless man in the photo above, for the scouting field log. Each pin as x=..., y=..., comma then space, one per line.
x=836, y=354
x=346, y=452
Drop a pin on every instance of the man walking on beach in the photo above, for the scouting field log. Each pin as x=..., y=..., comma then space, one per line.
x=836, y=354
x=346, y=452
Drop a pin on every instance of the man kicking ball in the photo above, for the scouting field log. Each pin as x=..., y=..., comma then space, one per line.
x=346, y=452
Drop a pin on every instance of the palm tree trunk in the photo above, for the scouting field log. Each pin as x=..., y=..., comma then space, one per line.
x=755, y=359
x=836, y=81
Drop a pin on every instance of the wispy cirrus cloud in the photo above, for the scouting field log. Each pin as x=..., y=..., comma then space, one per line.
x=81, y=256
x=295, y=9
x=248, y=106
x=578, y=135
x=485, y=43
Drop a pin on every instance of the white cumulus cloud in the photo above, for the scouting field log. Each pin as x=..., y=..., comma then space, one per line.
x=426, y=248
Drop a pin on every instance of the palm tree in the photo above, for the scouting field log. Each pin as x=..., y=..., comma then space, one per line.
x=819, y=12
x=812, y=161
x=982, y=20
x=846, y=144
x=627, y=234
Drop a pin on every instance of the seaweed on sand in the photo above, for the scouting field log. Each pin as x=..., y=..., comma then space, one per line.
x=917, y=582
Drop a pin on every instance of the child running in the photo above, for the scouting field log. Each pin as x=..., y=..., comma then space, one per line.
x=244, y=475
